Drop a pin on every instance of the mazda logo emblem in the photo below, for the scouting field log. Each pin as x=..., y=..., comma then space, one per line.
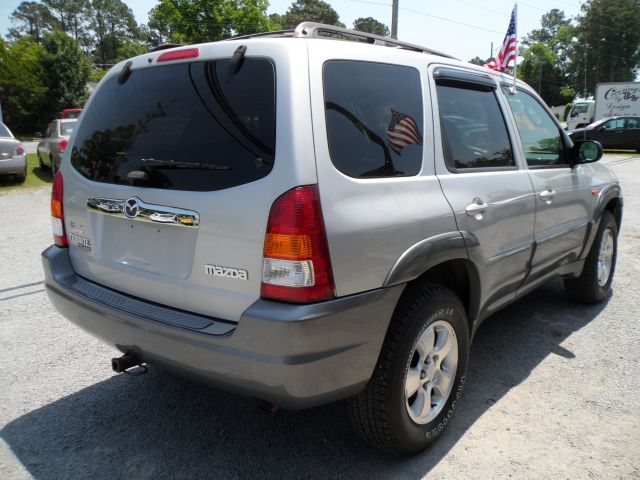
x=131, y=208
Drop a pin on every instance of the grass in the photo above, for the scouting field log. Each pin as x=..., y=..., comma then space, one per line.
x=36, y=177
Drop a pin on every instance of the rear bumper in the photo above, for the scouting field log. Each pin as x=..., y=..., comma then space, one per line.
x=16, y=165
x=296, y=356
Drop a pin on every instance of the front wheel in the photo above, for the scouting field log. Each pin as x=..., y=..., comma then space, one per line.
x=419, y=377
x=594, y=283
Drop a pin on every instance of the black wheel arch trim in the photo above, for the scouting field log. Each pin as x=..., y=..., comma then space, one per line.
x=436, y=250
x=426, y=254
x=608, y=193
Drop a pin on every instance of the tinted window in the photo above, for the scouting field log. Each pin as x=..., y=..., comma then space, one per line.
x=66, y=128
x=633, y=123
x=4, y=132
x=188, y=126
x=474, y=134
x=611, y=124
x=374, y=118
x=539, y=133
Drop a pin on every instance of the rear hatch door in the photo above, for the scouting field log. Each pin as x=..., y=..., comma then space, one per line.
x=170, y=186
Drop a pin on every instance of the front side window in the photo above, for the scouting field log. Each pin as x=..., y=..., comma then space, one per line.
x=613, y=124
x=540, y=135
x=474, y=134
x=374, y=118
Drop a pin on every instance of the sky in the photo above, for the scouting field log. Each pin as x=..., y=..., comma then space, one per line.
x=462, y=28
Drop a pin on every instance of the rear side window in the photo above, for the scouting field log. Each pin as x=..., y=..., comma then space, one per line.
x=633, y=123
x=474, y=133
x=188, y=126
x=374, y=118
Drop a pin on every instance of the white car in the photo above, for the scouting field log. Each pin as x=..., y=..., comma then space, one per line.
x=13, y=160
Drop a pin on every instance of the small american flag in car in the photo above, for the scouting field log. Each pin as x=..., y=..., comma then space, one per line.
x=402, y=131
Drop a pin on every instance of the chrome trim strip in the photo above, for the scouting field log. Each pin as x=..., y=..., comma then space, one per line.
x=135, y=209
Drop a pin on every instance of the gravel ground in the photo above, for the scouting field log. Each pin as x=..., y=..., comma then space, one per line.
x=552, y=391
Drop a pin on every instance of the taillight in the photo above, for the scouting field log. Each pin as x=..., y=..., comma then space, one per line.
x=296, y=264
x=179, y=55
x=57, y=212
x=19, y=149
x=63, y=145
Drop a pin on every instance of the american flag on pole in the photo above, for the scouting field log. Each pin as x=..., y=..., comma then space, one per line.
x=509, y=49
x=402, y=131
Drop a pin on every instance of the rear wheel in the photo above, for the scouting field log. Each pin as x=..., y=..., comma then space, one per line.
x=43, y=166
x=594, y=283
x=415, y=387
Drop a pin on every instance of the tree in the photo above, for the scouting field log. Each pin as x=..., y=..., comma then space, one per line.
x=67, y=72
x=539, y=69
x=112, y=23
x=193, y=21
x=478, y=61
x=310, y=11
x=607, y=44
x=31, y=18
x=24, y=92
x=371, y=25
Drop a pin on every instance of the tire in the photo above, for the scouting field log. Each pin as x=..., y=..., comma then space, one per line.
x=41, y=163
x=594, y=283
x=381, y=412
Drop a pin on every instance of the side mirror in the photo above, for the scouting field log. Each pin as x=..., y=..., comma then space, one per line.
x=586, y=151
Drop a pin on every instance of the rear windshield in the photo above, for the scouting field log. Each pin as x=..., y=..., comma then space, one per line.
x=66, y=128
x=4, y=132
x=189, y=126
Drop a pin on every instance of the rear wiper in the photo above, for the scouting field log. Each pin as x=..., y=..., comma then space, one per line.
x=155, y=163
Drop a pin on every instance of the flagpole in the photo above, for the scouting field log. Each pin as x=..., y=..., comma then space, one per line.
x=515, y=60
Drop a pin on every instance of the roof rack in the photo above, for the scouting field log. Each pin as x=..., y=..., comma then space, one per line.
x=320, y=30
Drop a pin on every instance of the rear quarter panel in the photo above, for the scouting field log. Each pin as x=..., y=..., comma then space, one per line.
x=371, y=222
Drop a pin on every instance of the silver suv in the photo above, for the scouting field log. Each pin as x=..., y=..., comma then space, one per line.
x=302, y=218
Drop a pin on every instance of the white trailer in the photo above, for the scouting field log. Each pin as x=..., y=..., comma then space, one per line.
x=612, y=99
x=617, y=98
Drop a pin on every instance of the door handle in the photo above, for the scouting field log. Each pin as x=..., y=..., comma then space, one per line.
x=476, y=208
x=547, y=195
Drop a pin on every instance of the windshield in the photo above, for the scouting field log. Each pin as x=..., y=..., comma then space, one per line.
x=579, y=108
x=163, y=126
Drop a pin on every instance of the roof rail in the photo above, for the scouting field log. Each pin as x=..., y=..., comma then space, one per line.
x=321, y=30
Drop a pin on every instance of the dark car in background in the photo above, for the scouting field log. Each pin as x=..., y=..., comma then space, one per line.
x=54, y=143
x=13, y=160
x=613, y=132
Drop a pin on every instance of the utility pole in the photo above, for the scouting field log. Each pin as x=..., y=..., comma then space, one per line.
x=394, y=20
